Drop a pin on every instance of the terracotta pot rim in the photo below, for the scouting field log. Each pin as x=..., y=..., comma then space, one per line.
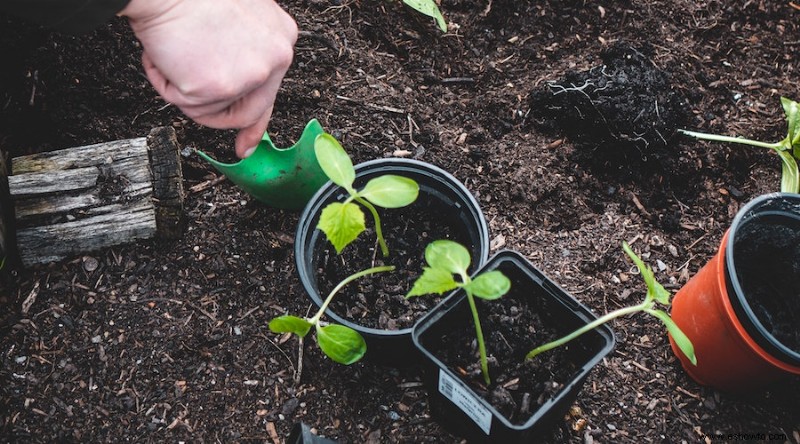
x=736, y=304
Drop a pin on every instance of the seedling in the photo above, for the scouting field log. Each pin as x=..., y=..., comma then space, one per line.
x=342, y=344
x=788, y=149
x=445, y=259
x=655, y=294
x=429, y=8
x=342, y=222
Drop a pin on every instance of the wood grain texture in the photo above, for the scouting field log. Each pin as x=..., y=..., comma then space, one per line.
x=93, y=197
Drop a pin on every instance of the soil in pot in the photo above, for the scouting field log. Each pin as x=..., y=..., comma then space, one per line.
x=378, y=301
x=767, y=252
x=512, y=326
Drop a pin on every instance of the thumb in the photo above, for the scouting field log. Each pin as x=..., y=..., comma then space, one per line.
x=249, y=137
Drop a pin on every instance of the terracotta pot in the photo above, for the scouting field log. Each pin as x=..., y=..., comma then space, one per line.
x=735, y=351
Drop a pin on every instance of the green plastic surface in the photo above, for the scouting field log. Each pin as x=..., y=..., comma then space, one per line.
x=279, y=177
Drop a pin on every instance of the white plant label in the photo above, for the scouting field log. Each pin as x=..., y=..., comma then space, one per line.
x=465, y=401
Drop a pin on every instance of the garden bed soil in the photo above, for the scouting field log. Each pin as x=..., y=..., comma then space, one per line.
x=168, y=341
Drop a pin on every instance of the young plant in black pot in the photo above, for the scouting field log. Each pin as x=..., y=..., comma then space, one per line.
x=524, y=397
x=788, y=149
x=340, y=343
x=342, y=222
x=656, y=294
x=377, y=307
x=448, y=260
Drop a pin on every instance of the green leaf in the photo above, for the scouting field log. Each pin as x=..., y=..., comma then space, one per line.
x=790, y=177
x=792, y=111
x=681, y=340
x=334, y=161
x=448, y=255
x=433, y=280
x=390, y=191
x=490, y=285
x=654, y=289
x=429, y=8
x=342, y=344
x=290, y=324
x=341, y=223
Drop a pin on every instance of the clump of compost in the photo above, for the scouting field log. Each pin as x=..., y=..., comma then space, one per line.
x=622, y=109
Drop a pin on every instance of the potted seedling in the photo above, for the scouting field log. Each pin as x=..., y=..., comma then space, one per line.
x=523, y=397
x=788, y=149
x=448, y=260
x=656, y=294
x=343, y=222
x=410, y=203
x=742, y=309
x=340, y=343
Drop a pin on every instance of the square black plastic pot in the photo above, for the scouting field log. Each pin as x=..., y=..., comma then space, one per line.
x=458, y=407
x=448, y=195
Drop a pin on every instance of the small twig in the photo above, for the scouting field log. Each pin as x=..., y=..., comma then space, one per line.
x=383, y=108
x=688, y=393
x=202, y=186
x=639, y=366
x=640, y=206
x=31, y=299
x=696, y=241
x=457, y=80
x=299, y=372
x=488, y=9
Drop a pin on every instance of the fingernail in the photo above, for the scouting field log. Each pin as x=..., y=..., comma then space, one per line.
x=249, y=152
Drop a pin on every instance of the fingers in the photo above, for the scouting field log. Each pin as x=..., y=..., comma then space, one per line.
x=248, y=138
x=221, y=63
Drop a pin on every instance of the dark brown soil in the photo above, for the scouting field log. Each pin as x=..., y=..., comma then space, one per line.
x=168, y=341
x=767, y=252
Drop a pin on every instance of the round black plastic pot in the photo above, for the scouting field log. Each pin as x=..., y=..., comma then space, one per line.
x=776, y=212
x=384, y=346
x=458, y=407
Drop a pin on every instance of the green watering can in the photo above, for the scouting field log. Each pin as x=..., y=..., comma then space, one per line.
x=279, y=177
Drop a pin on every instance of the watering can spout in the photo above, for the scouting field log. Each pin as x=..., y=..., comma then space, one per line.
x=279, y=177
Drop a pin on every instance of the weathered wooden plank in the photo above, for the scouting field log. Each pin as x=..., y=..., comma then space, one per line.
x=80, y=157
x=5, y=207
x=86, y=203
x=128, y=170
x=50, y=182
x=50, y=243
x=88, y=198
x=168, y=195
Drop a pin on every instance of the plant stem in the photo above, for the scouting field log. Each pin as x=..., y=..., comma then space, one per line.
x=590, y=326
x=479, y=335
x=378, y=230
x=740, y=140
x=347, y=280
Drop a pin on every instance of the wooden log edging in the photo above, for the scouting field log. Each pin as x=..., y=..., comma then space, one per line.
x=5, y=209
x=88, y=198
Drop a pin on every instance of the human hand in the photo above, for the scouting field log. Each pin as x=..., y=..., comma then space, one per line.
x=220, y=62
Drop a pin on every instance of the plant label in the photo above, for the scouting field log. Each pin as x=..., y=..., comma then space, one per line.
x=469, y=404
